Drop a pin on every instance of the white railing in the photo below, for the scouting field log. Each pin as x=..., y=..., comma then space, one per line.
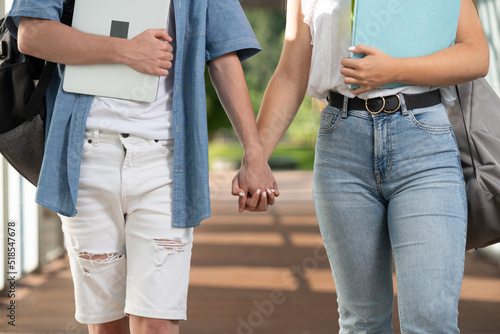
x=21, y=221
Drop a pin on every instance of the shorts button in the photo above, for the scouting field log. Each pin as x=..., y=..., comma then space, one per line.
x=125, y=135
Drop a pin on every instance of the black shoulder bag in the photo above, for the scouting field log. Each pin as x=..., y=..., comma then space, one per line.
x=23, y=83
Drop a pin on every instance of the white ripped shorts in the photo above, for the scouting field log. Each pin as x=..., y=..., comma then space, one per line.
x=125, y=256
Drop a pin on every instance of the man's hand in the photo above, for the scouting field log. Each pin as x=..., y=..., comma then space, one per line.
x=255, y=187
x=150, y=52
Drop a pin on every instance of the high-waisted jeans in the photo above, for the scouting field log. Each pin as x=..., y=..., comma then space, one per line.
x=390, y=187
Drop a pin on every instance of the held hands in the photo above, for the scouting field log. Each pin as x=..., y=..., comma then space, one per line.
x=372, y=71
x=150, y=53
x=255, y=186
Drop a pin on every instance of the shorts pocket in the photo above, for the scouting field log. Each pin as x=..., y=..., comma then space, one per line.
x=165, y=146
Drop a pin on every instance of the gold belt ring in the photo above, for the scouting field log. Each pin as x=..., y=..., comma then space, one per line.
x=378, y=111
x=399, y=105
x=383, y=106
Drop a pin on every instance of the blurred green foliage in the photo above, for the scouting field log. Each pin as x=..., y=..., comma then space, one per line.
x=269, y=27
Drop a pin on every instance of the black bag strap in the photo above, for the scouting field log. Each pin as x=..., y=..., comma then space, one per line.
x=36, y=99
x=67, y=15
x=466, y=132
x=31, y=109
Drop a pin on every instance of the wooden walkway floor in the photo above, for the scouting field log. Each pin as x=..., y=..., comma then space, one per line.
x=252, y=274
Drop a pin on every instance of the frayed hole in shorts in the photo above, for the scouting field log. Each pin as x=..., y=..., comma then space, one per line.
x=96, y=259
x=171, y=246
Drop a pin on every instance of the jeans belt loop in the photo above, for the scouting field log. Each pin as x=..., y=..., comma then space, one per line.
x=404, y=109
x=345, y=108
x=95, y=140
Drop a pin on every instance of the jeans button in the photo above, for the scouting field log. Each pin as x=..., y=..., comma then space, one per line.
x=125, y=135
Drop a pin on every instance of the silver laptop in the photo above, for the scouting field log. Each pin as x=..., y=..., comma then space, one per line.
x=118, y=18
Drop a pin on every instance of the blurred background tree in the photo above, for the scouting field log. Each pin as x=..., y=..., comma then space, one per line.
x=296, y=150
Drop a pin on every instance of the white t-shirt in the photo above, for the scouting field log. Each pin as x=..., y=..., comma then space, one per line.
x=330, y=26
x=148, y=120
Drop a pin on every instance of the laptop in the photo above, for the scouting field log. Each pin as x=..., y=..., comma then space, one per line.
x=123, y=19
x=405, y=28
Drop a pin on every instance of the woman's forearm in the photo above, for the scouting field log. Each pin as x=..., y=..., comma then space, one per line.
x=287, y=87
x=281, y=102
x=457, y=64
x=467, y=60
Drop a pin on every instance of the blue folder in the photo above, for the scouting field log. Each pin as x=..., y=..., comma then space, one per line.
x=405, y=28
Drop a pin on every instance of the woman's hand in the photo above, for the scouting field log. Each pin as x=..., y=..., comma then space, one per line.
x=374, y=70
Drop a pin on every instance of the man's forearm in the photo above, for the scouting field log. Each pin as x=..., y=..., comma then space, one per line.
x=54, y=41
x=67, y=45
x=229, y=81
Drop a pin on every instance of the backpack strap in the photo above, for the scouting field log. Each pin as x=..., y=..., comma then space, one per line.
x=36, y=99
x=466, y=131
x=67, y=15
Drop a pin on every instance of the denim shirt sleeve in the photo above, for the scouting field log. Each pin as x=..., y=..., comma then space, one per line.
x=228, y=30
x=43, y=9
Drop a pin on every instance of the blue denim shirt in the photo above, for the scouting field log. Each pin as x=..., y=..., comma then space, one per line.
x=205, y=29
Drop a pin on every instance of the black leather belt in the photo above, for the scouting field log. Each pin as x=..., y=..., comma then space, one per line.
x=388, y=104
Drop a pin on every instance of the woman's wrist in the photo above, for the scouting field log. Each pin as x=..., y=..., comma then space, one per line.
x=397, y=70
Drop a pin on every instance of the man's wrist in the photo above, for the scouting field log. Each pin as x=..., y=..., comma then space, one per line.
x=119, y=50
x=254, y=155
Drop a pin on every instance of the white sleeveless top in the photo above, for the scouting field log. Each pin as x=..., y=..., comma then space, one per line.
x=330, y=26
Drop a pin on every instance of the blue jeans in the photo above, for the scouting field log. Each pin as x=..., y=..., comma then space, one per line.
x=390, y=186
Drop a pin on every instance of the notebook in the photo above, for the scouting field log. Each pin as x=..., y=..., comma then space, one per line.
x=123, y=19
x=405, y=28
